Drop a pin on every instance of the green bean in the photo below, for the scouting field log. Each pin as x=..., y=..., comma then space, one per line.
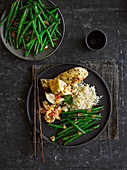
x=26, y=22
x=24, y=31
x=10, y=40
x=20, y=26
x=45, y=17
x=14, y=39
x=46, y=42
x=74, y=124
x=13, y=28
x=4, y=20
x=48, y=11
x=70, y=130
x=97, y=108
x=83, y=111
x=77, y=135
x=16, y=25
x=21, y=3
x=87, y=118
x=24, y=45
x=51, y=7
x=73, y=129
x=41, y=34
x=10, y=16
x=39, y=30
x=64, y=136
x=84, y=115
x=54, y=125
x=74, y=136
x=54, y=10
x=29, y=50
x=39, y=26
x=63, y=131
x=56, y=15
x=26, y=6
x=7, y=39
x=33, y=40
x=52, y=32
x=90, y=124
x=34, y=27
x=54, y=37
x=35, y=46
x=58, y=32
x=45, y=27
x=55, y=45
x=31, y=17
x=37, y=49
x=30, y=1
x=45, y=39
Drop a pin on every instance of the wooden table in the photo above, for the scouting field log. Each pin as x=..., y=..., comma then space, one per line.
x=15, y=75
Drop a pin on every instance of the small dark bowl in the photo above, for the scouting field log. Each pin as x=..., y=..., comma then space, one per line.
x=96, y=40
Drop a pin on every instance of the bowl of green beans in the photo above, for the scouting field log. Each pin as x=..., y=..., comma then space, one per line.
x=32, y=30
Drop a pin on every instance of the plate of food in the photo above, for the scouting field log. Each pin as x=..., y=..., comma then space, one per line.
x=32, y=30
x=75, y=104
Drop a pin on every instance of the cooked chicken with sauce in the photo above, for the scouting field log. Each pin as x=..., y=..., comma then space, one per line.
x=73, y=76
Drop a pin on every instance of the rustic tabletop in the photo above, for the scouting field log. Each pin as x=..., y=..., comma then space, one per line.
x=15, y=75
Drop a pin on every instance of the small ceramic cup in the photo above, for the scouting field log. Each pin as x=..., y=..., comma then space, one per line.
x=96, y=40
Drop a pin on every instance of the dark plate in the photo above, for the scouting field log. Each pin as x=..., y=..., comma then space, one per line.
x=44, y=54
x=93, y=79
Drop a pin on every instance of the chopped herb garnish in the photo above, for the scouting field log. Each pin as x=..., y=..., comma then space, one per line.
x=68, y=99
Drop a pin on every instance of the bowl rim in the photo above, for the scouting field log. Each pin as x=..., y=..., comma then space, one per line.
x=86, y=39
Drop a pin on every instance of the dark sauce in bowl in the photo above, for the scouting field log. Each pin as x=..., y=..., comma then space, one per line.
x=96, y=40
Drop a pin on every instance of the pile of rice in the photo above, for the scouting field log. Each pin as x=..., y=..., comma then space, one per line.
x=84, y=97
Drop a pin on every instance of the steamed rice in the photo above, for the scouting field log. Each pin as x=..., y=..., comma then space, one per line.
x=84, y=97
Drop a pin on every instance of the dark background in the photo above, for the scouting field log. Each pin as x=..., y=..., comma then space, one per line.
x=15, y=78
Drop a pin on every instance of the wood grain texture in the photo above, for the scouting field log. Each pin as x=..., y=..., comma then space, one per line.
x=35, y=111
x=15, y=75
x=40, y=123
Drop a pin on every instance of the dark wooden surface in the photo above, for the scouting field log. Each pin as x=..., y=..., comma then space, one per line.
x=15, y=78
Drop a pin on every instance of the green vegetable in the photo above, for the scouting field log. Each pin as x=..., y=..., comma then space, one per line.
x=48, y=11
x=77, y=135
x=54, y=125
x=10, y=39
x=34, y=25
x=24, y=31
x=4, y=20
x=9, y=18
x=74, y=124
x=41, y=20
x=77, y=124
x=68, y=99
x=97, y=109
x=20, y=26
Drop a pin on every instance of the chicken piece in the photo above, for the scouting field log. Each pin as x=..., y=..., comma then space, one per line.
x=73, y=76
x=60, y=87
